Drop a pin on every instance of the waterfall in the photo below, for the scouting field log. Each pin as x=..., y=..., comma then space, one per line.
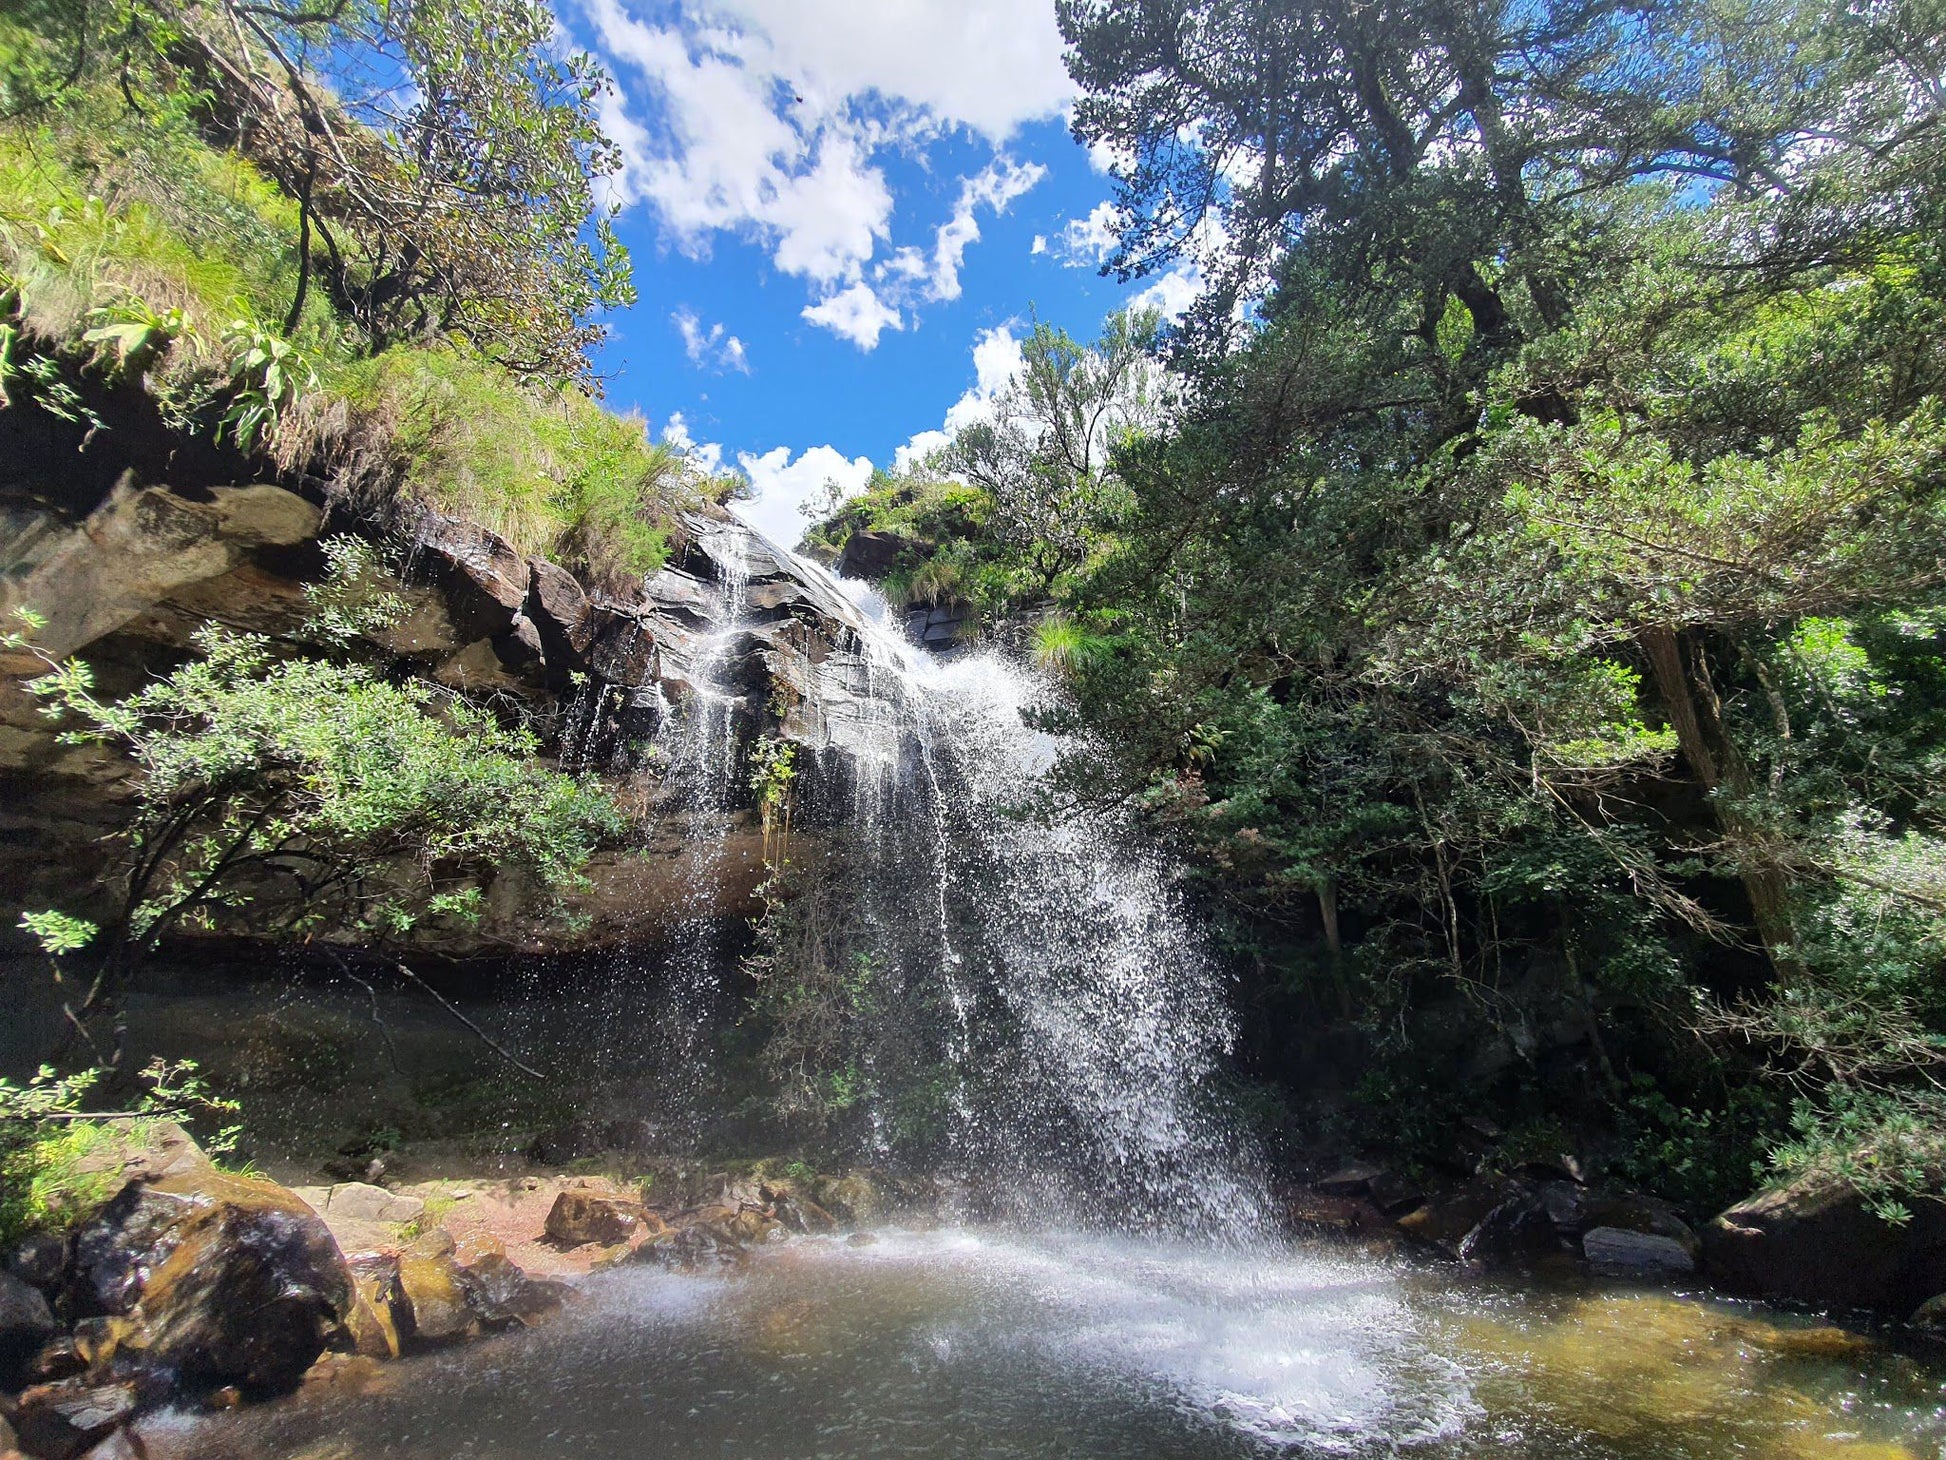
x=955, y=976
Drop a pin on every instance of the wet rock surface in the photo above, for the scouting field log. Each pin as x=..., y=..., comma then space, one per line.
x=1823, y=1245
x=223, y=1279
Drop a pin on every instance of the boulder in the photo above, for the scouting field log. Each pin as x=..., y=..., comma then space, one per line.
x=854, y=1198
x=26, y=1323
x=1819, y=1243
x=1930, y=1316
x=501, y=1294
x=1353, y=1180
x=360, y=1201
x=59, y=1421
x=579, y=1217
x=40, y=1259
x=229, y=1279
x=801, y=1214
x=870, y=554
x=435, y=1306
x=483, y=579
x=1634, y=1212
x=558, y=607
x=1617, y=1249
x=138, y=548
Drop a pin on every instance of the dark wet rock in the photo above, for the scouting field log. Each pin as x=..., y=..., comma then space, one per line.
x=801, y=1214
x=229, y=1280
x=1634, y=1212
x=519, y=647
x=559, y=608
x=870, y=554
x=60, y=1358
x=501, y=1294
x=1353, y=1180
x=1394, y=1194
x=60, y=1421
x=1616, y=1249
x=580, y=1217
x=622, y=646
x=40, y=1259
x=1321, y=1214
x=1445, y=1220
x=1821, y=1244
x=1518, y=1227
x=483, y=579
x=1930, y=1316
x=26, y=1324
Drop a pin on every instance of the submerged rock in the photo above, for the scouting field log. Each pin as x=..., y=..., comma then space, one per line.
x=1617, y=1249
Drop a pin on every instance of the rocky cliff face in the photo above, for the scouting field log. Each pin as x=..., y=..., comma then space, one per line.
x=127, y=583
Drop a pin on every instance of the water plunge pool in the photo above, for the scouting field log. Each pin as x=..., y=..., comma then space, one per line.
x=963, y=1343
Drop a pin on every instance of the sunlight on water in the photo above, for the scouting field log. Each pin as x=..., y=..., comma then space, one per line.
x=956, y=1343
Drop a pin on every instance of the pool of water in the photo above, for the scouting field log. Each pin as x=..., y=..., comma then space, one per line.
x=967, y=1343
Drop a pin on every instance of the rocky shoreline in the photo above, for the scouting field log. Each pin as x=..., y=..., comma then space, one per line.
x=198, y=1287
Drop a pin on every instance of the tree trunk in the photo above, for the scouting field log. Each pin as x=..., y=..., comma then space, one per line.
x=1695, y=713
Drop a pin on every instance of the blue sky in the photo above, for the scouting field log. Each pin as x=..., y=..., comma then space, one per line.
x=841, y=214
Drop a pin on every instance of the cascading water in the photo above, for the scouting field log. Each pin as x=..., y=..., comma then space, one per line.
x=1026, y=1002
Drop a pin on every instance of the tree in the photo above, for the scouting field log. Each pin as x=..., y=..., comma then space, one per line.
x=1449, y=141
x=443, y=156
x=1046, y=449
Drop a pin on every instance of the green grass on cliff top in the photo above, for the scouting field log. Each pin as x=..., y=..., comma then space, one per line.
x=107, y=216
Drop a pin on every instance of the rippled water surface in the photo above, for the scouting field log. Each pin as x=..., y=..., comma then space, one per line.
x=973, y=1344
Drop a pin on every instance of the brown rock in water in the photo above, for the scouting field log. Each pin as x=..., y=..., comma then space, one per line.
x=229, y=1279
x=1819, y=1243
x=581, y=1216
x=801, y=1214
x=59, y=1421
x=500, y=1293
x=432, y=1306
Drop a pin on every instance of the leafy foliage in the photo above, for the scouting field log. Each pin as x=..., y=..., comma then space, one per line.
x=443, y=179
x=57, y=1166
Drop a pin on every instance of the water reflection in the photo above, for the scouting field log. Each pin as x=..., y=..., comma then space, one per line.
x=962, y=1343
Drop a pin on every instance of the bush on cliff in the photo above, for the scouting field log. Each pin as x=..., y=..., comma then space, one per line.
x=314, y=792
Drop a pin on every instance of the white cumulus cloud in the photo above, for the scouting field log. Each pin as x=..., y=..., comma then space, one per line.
x=706, y=456
x=762, y=120
x=781, y=484
x=995, y=188
x=1092, y=239
x=991, y=66
x=857, y=314
x=714, y=348
x=996, y=361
